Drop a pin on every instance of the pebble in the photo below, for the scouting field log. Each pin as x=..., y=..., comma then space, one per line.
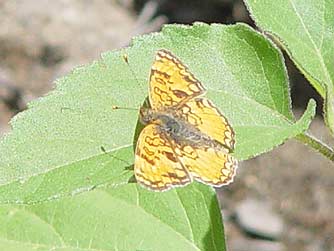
x=257, y=218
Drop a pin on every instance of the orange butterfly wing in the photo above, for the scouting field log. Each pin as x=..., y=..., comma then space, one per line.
x=205, y=116
x=211, y=166
x=160, y=163
x=156, y=165
x=208, y=165
x=171, y=82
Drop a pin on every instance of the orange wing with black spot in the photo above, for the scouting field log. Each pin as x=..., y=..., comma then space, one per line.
x=156, y=165
x=210, y=165
x=205, y=116
x=160, y=162
x=171, y=83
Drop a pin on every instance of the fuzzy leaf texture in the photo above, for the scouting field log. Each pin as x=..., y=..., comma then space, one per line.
x=55, y=147
x=72, y=142
x=305, y=28
x=123, y=218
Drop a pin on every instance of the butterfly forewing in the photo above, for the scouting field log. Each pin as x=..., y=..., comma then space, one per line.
x=204, y=115
x=171, y=83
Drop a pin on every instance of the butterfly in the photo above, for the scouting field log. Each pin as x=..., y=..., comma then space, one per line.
x=185, y=136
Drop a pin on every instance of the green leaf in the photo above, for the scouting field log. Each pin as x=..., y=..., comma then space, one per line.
x=306, y=31
x=329, y=108
x=72, y=140
x=124, y=218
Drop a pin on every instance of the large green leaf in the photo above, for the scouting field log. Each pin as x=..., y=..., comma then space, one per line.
x=124, y=218
x=305, y=28
x=72, y=141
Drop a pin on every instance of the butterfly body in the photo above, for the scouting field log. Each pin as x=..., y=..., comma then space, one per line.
x=185, y=136
x=177, y=130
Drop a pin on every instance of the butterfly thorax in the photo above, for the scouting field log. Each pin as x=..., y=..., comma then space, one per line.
x=169, y=123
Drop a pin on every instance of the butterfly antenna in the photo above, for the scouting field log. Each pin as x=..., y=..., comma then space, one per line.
x=146, y=103
x=126, y=60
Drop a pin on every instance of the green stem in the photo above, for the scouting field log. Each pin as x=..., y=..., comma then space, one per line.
x=317, y=145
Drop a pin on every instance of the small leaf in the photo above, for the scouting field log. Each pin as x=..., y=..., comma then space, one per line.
x=121, y=218
x=306, y=31
x=72, y=140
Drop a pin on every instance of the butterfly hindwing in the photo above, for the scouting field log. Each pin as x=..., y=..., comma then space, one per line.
x=208, y=165
x=156, y=165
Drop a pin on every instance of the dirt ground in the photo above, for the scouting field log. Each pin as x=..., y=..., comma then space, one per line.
x=42, y=40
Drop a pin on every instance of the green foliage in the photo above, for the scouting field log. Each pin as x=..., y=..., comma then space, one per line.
x=123, y=218
x=72, y=141
x=55, y=146
x=306, y=31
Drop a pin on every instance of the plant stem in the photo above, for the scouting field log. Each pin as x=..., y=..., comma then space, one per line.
x=317, y=145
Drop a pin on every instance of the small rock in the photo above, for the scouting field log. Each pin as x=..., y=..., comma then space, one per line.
x=11, y=96
x=255, y=245
x=257, y=218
